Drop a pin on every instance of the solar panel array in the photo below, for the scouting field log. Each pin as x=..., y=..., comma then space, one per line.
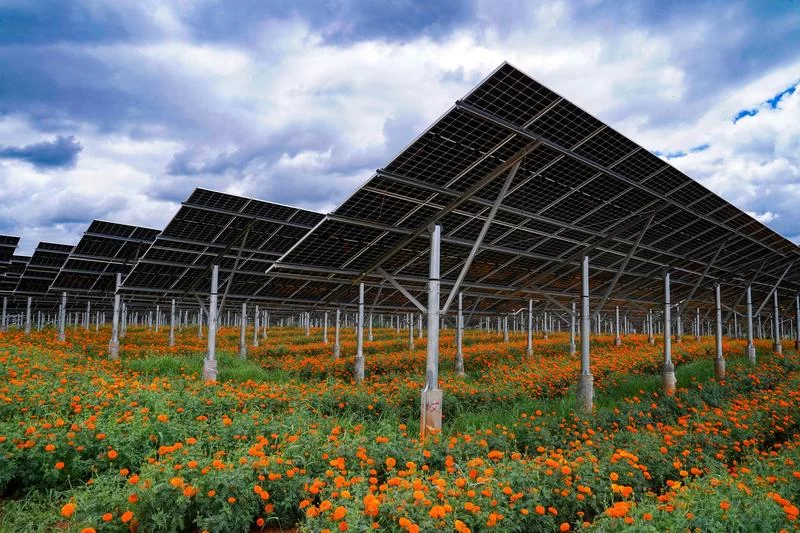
x=243, y=236
x=556, y=182
x=7, y=246
x=105, y=249
x=13, y=271
x=580, y=186
x=42, y=269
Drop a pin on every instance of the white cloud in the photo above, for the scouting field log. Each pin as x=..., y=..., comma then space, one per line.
x=294, y=118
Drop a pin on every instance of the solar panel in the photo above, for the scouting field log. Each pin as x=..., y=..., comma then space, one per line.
x=8, y=245
x=42, y=269
x=105, y=249
x=10, y=277
x=242, y=235
x=580, y=186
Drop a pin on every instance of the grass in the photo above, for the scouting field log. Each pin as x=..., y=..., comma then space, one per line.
x=231, y=368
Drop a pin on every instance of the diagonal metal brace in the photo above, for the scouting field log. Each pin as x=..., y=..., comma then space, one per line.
x=402, y=289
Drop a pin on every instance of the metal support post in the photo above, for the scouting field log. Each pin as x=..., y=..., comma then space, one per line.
x=431, y=396
x=336, y=346
x=210, y=362
x=572, y=348
x=719, y=361
x=668, y=374
x=359, y=362
x=750, y=349
x=585, y=394
x=113, y=345
x=777, y=347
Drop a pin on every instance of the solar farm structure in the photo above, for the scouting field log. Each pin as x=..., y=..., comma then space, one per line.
x=516, y=210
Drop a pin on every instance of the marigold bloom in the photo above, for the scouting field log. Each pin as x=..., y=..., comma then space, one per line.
x=68, y=510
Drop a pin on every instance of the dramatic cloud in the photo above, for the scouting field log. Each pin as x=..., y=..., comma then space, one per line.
x=299, y=102
x=59, y=153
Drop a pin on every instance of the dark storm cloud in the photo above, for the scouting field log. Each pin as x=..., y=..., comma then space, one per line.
x=62, y=152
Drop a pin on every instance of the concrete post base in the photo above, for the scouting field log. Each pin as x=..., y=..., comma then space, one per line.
x=337, y=351
x=529, y=352
x=545, y=336
x=369, y=337
x=243, y=351
x=651, y=341
x=750, y=352
x=585, y=393
x=668, y=378
x=430, y=421
x=113, y=350
x=171, y=341
x=572, y=348
x=61, y=337
x=777, y=347
x=209, y=370
x=719, y=367
x=617, y=341
x=697, y=339
x=358, y=372
x=411, y=344
x=678, y=340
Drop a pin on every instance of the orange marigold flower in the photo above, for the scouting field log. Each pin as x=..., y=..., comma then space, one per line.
x=126, y=517
x=59, y=465
x=339, y=513
x=112, y=454
x=437, y=511
x=108, y=517
x=68, y=510
x=564, y=527
x=724, y=505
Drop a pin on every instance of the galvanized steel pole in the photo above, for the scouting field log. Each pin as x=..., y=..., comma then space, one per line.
x=750, y=349
x=585, y=395
x=210, y=362
x=431, y=396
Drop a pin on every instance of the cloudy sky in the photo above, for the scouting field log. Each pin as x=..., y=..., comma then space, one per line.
x=118, y=109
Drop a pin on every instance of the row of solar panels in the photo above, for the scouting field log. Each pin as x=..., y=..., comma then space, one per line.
x=523, y=183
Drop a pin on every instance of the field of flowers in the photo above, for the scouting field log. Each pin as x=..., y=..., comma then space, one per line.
x=286, y=442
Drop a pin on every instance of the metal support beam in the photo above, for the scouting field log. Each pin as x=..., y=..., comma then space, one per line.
x=617, y=339
x=479, y=240
x=623, y=266
x=685, y=303
x=774, y=288
x=400, y=288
